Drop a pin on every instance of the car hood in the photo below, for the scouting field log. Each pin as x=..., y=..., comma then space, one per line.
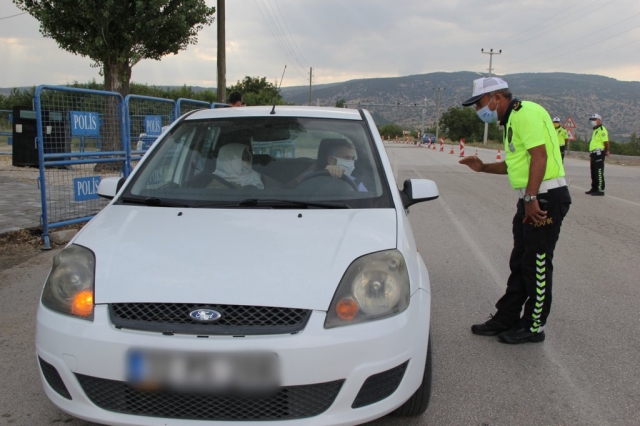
x=285, y=258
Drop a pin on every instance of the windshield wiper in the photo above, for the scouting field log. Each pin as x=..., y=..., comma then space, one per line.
x=153, y=201
x=281, y=204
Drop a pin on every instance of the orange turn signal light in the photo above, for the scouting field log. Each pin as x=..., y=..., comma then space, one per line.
x=347, y=309
x=82, y=304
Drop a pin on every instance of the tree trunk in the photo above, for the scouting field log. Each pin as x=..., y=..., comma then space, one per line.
x=116, y=79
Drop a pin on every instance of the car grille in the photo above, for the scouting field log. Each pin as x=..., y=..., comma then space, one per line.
x=292, y=402
x=379, y=386
x=235, y=319
x=53, y=378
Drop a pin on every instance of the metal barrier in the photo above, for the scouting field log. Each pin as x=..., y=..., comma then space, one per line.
x=145, y=118
x=284, y=149
x=80, y=141
x=6, y=132
x=183, y=106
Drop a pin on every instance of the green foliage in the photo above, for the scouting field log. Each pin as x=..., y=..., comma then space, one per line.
x=630, y=148
x=341, y=103
x=460, y=123
x=391, y=130
x=257, y=91
x=117, y=34
x=17, y=97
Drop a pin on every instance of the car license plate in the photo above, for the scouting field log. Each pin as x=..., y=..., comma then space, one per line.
x=245, y=372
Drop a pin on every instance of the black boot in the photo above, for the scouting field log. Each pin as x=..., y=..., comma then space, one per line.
x=489, y=328
x=521, y=335
x=589, y=192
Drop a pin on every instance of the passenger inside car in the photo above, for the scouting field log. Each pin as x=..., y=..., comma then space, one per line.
x=234, y=169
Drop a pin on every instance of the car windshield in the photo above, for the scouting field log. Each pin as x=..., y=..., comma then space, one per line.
x=263, y=161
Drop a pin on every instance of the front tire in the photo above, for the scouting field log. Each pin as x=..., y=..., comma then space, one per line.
x=419, y=401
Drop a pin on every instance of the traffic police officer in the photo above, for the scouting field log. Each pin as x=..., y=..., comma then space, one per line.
x=534, y=166
x=598, y=148
x=562, y=136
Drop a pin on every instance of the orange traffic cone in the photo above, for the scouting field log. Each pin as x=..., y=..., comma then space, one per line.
x=451, y=152
x=498, y=156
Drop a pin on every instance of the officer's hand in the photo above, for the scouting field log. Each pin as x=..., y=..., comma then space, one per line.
x=532, y=213
x=473, y=162
x=607, y=153
x=335, y=171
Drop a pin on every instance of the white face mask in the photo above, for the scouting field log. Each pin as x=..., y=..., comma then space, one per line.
x=347, y=166
x=485, y=114
x=594, y=123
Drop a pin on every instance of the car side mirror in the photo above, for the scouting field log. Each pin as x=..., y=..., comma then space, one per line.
x=109, y=187
x=417, y=191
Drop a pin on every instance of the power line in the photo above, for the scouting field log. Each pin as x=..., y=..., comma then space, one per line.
x=584, y=47
x=578, y=39
x=292, y=38
x=283, y=34
x=12, y=16
x=590, y=57
x=555, y=15
x=543, y=28
x=275, y=36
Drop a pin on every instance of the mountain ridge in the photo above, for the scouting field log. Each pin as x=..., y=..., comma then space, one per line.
x=562, y=94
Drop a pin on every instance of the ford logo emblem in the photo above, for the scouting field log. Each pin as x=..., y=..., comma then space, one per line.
x=204, y=315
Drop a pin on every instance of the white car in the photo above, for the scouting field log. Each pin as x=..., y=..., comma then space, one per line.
x=221, y=286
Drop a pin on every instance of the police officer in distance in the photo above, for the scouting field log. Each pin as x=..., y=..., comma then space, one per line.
x=598, y=148
x=562, y=136
x=534, y=166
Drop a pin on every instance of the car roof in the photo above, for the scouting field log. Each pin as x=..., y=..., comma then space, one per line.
x=280, y=111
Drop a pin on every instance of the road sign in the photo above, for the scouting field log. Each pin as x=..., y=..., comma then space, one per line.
x=570, y=124
x=570, y=135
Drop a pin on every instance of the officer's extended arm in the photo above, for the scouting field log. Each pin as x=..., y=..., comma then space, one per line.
x=476, y=164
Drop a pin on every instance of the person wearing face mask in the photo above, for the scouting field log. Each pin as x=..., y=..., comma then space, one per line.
x=534, y=166
x=341, y=160
x=562, y=136
x=598, y=148
x=234, y=165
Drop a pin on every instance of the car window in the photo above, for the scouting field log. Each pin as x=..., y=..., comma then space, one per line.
x=218, y=162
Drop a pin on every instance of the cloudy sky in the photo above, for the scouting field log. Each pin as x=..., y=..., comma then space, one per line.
x=349, y=39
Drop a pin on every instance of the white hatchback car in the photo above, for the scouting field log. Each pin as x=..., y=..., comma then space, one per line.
x=258, y=266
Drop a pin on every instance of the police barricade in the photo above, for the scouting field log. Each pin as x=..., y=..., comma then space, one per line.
x=80, y=141
x=6, y=132
x=183, y=106
x=145, y=118
x=278, y=149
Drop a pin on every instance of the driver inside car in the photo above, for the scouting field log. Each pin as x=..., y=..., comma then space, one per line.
x=338, y=157
x=234, y=166
x=341, y=161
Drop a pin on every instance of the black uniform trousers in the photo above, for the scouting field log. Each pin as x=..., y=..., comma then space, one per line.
x=597, y=170
x=531, y=280
x=563, y=148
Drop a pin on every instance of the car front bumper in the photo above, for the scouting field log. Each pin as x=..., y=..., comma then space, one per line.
x=78, y=348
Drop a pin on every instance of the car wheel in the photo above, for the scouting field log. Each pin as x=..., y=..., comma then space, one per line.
x=419, y=401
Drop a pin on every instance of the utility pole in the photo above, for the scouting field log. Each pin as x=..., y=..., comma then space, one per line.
x=310, y=78
x=438, y=89
x=424, y=111
x=490, y=53
x=222, y=55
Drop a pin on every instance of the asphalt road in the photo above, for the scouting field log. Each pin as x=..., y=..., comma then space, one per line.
x=586, y=372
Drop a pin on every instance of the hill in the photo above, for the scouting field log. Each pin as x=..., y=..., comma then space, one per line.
x=562, y=94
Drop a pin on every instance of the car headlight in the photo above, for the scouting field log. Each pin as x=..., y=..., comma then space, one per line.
x=69, y=288
x=375, y=286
